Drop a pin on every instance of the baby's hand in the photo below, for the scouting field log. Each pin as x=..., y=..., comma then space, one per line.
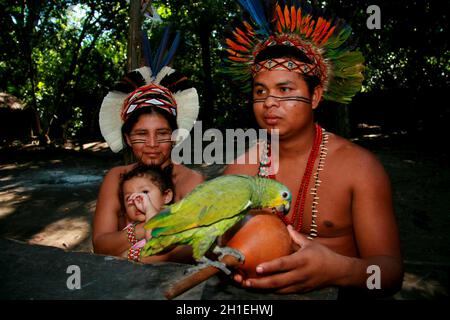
x=143, y=203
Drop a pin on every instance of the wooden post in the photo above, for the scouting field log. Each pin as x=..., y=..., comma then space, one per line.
x=134, y=36
x=134, y=53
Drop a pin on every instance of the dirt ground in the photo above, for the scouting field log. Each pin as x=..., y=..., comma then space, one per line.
x=48, y=197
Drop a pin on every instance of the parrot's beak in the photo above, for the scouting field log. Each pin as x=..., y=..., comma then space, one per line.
x=283, y=208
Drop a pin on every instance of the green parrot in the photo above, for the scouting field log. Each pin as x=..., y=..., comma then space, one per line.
x=209, y=211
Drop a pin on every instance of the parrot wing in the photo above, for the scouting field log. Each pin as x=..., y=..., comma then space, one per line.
x=212, y=201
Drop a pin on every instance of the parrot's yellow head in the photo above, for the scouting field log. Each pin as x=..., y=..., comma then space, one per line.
x=275, y=195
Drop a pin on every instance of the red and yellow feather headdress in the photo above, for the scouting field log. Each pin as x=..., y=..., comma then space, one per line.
x=323, y=41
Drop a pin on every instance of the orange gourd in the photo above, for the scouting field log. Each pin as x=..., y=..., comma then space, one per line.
x=262, y=237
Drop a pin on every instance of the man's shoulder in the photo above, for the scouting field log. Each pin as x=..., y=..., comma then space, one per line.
x=350, y=155
x=242, y=168
x=248, y=162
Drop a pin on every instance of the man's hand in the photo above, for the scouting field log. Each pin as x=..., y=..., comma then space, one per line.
x=312, y=266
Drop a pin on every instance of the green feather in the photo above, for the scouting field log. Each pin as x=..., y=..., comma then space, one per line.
x=210, y=210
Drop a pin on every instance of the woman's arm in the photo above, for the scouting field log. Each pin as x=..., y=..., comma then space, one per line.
x=106, y=238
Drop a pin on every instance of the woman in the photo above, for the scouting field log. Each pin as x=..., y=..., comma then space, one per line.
x=144, y=120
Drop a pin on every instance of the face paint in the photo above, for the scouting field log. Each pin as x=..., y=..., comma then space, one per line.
x=294, y=98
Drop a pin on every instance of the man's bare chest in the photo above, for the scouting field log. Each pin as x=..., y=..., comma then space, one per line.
x=323, y=211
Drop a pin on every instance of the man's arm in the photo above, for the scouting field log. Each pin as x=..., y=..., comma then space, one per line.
x=374, y=226
x=314, y=266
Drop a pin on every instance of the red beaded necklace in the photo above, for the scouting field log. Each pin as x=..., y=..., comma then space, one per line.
x=297, y=218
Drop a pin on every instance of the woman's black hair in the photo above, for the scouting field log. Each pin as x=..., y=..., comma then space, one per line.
x=135, y=115
x=281, y=51
x=133, y=119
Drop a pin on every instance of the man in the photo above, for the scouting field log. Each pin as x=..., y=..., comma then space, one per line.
x=342, y=220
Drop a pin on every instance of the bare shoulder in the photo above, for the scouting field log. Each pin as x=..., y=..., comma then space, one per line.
x=185, y=179
x=116, y=172
x=185, y=173
x=236, y=168
x=354, y=159
x=247, y=163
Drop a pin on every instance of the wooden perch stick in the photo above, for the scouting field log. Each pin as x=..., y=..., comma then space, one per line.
x=194, y=279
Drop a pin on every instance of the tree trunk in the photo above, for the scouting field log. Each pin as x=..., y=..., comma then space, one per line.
x=343, y=121
x=204, y=30
x=27, y=43
x=134, y=53
x=56, y=127
x=134, y=36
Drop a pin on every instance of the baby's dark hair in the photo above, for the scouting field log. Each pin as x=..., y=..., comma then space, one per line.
x=160, y=177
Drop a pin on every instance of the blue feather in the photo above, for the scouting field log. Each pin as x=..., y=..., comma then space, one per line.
x=160, y=53
x=172, y=50
x=165, y=52
x=256, y=11
x=147, y=49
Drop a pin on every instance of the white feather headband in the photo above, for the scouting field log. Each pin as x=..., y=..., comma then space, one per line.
x=110, y=119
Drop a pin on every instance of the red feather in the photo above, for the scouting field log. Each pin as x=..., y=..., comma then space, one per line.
x=235, y=46
x=287, y=19
x=280, y=17
x=299, y=19
x=293, y=18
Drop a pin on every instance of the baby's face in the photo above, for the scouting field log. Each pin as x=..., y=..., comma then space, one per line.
x=141, y=185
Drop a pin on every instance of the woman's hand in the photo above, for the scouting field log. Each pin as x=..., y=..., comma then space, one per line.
x=311, y=266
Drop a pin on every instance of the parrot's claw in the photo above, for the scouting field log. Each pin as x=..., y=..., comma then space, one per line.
x=223, y=251
x=205, y=262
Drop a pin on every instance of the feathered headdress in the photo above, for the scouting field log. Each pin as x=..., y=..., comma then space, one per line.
x=155, y=86
x=323, y=41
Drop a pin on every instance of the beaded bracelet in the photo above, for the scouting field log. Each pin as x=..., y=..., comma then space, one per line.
x=134, y=254
x=131, y=234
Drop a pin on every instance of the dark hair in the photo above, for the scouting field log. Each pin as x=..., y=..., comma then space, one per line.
x=133, y=119
x=162, y=178
x=135, y=115
x=280, y=51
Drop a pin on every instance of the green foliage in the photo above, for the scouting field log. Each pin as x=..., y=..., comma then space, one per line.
x=62, y=56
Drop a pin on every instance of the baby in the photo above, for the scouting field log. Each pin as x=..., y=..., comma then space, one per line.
x=144, y=191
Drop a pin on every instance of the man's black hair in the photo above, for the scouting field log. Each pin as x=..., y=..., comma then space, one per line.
x=281, y=51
